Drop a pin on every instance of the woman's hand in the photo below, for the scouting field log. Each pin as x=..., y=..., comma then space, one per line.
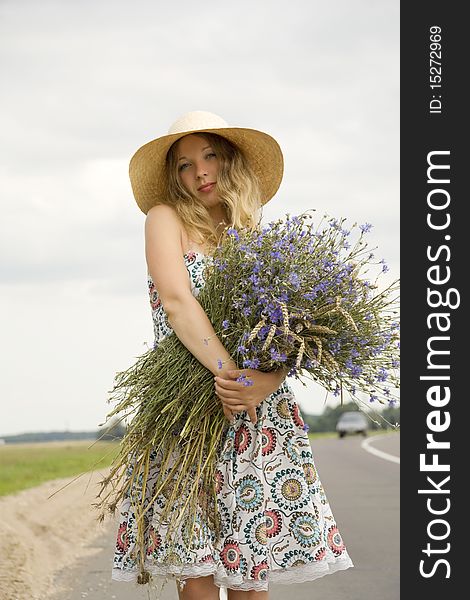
x=236, y=396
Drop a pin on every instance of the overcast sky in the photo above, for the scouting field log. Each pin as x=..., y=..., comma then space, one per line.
x=87, y=83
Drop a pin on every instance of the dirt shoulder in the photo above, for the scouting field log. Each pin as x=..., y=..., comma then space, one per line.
x=41, y=535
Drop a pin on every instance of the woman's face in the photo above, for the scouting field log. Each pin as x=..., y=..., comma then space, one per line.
x=198, y=167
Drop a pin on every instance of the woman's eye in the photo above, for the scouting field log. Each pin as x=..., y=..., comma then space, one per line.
x=210, y=154
x=183, y=166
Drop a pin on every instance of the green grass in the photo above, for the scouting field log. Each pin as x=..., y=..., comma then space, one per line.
x=26, y=465
x=322, y=434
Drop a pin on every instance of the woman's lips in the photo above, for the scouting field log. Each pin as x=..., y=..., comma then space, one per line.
x=207, y=188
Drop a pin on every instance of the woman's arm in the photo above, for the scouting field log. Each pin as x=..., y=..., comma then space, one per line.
x=186, y=316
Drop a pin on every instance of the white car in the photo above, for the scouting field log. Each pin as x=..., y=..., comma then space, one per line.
x=352, y=422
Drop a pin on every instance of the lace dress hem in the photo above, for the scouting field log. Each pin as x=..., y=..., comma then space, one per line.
x=297, y=574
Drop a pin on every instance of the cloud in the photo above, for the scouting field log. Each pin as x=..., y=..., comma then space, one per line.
x=90, y=82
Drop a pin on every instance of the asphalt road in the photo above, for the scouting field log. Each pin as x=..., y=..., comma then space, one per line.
x=363, y=491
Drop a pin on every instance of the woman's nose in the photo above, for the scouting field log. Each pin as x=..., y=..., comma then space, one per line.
x=202, y=171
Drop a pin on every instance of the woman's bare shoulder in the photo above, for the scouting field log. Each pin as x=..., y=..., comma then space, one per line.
x=163, y=211
x=163, y=219
x=164, y=232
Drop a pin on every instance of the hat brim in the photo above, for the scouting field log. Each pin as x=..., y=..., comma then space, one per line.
x=147, y=168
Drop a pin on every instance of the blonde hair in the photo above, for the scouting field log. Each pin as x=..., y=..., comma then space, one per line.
x=237, y=187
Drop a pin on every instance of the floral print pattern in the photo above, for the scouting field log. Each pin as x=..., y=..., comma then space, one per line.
x=276, y=522
x=249, y=493
x=305, y=529
x=195, y=266
x=268, y=440
x=242, y=439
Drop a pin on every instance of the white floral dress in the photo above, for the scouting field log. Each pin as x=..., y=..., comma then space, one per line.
x=277, y=524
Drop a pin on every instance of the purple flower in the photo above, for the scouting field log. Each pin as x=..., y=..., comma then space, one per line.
x=275, y=315
x=365, y=227
x=382, y=374
x=263, y=332
x=355, y=370
x=225, y=324
x=251, y=364
x=233, y=232
x=310, y=295
x=294, y=280
x=306, y=427
x=277, y=356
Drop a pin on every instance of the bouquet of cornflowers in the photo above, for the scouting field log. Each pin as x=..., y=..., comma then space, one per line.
x=287, y=294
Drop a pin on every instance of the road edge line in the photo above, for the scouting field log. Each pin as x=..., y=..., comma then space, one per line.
x=384, y=455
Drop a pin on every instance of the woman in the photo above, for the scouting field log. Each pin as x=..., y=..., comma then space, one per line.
x=277, y=525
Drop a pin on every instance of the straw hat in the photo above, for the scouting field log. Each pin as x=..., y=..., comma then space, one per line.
x=147, y=168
